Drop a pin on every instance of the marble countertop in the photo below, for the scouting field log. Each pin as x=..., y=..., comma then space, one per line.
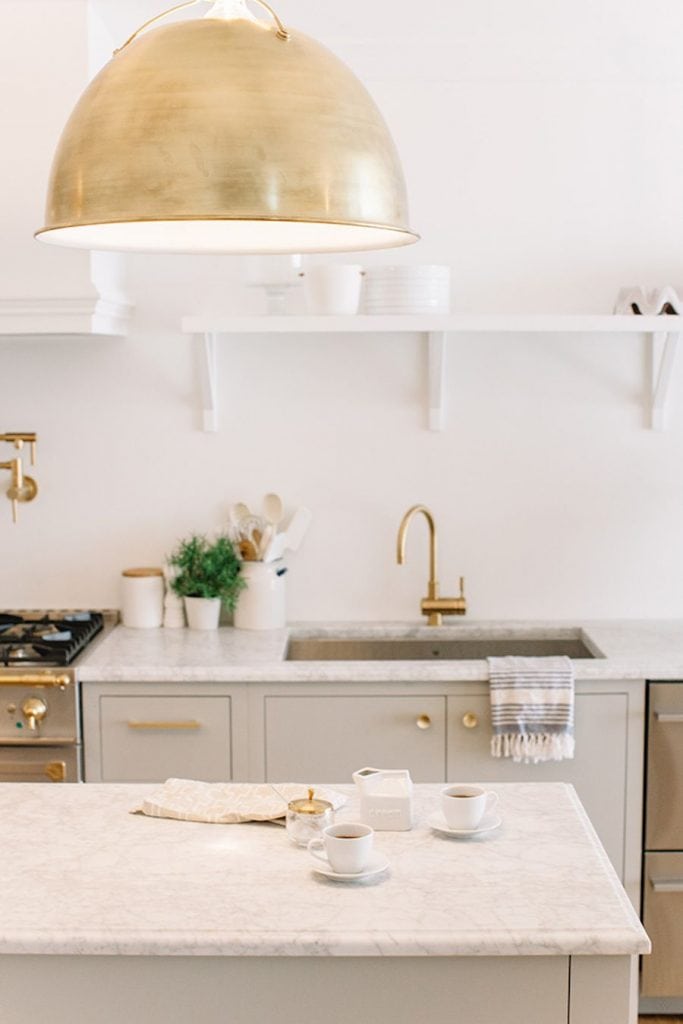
x=648, y=649
x=82, y=875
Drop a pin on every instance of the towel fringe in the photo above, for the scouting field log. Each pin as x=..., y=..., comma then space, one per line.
x=530, y=749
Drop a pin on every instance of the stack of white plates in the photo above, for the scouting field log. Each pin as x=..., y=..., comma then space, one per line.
x=407, y=290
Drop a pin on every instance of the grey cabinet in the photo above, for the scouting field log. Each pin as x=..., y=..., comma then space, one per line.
x=150, y=733
x=327, y=737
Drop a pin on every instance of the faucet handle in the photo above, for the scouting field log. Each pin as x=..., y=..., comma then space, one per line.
x=462, y=587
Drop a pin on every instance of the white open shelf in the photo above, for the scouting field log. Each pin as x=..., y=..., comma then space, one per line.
x=663, y=330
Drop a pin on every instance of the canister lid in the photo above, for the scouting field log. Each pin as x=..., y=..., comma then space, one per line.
x=137, y=573
x=308, y=805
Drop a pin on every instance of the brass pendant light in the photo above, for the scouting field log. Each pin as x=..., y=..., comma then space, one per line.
x=226, y=134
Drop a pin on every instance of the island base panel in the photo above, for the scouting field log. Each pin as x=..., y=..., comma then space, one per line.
x=307, y=990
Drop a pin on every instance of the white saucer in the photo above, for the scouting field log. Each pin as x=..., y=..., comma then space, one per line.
x=377, y=863
x=488, y=823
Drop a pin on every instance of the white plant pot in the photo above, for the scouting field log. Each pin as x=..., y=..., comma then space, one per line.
x=203, y=612
x=262, y=604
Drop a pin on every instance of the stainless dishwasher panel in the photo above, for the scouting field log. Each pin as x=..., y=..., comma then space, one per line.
x=664, y=815
x=662, y=974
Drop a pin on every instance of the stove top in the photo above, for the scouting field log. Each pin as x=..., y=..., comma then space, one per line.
x=46, y=638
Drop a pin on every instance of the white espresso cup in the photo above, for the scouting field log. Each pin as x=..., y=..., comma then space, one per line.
x=464, y=806
x=347, y=846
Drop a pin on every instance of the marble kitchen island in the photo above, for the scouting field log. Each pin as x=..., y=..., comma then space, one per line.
x=110, y=916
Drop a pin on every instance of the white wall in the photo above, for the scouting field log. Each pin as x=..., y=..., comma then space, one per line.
x=544, y=157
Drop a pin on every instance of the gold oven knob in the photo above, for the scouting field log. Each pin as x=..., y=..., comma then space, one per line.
x=423, y=722
x=34, y=710
x=470, y=720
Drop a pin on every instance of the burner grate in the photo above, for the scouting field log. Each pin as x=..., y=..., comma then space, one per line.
x=51, y=639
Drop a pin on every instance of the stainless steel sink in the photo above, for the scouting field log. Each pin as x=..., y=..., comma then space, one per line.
x=361, y=648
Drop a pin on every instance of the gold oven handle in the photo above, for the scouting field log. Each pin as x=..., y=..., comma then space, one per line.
x=187, y=726
x=21, y=771
x=59, y=681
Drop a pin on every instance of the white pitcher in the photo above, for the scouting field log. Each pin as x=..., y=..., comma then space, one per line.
x=262, y=604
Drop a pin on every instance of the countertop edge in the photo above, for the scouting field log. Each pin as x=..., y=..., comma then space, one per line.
x=313, y=944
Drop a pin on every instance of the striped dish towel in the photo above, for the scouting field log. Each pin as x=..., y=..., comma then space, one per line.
x=532, y=708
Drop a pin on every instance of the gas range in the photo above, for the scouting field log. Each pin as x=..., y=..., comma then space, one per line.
x=40, y=728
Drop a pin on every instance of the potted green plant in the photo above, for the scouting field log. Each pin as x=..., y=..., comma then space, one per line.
x=207, y=574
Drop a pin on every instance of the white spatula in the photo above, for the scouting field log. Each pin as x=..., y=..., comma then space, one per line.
x=297, y=528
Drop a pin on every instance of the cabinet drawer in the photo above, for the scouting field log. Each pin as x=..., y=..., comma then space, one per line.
x=662, y=974
x=664, y=801
x=149, y=739
x=598, y=771
x=326, y=739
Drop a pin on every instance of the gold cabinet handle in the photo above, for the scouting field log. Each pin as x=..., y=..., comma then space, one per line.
x=186, y=726
x=470, y=720
x=423, y=722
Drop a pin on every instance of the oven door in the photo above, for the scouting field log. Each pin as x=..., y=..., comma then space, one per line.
x=40, y=764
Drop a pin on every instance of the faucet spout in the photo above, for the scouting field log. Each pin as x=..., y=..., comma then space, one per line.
x=401, y=543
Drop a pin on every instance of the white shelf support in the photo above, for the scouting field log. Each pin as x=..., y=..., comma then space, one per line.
x=436, y=354
x=663, y=348
x=207, y=345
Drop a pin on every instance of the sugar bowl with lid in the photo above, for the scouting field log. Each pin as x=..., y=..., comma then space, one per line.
x=307, y=817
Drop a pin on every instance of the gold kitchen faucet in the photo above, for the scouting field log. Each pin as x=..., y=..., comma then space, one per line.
x=433, y=606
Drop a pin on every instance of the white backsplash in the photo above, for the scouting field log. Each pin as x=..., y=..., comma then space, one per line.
x=542, y=167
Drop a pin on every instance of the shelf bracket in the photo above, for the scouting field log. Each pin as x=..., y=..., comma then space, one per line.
x=436, y=356
x=663, y=346
x=207, y=345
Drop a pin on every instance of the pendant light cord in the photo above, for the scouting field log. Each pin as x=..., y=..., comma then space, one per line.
x=281, y=33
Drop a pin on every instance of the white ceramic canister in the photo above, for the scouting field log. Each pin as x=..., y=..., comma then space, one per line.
x=261, y=605
x=142, y=598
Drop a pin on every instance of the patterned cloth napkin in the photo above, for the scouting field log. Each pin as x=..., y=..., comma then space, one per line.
x=227, y=803
x=532, y=708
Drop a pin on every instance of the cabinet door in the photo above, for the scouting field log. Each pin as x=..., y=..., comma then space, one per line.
x=326, y=739
x=598, y=770
x=149, y=739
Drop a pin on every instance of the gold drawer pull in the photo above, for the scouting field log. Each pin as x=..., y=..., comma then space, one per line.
x=186, y=726
x=423, y=722
x=470, y=720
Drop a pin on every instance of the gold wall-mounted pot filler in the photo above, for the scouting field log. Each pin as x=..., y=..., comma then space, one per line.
x=226, y=134
x=22, y=487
